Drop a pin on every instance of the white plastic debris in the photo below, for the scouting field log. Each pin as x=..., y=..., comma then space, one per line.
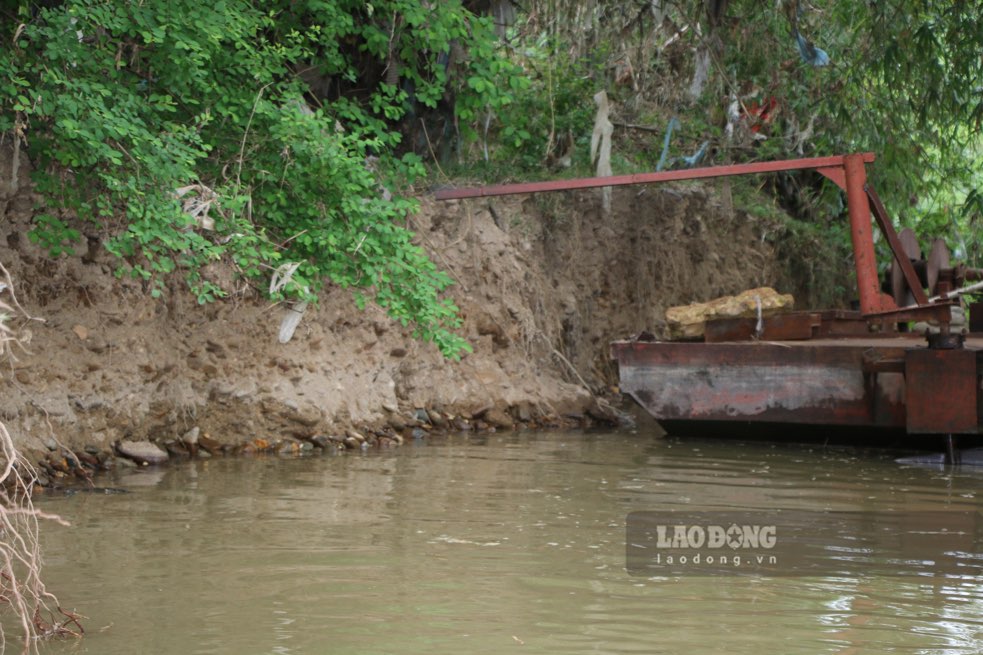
x=291, y=319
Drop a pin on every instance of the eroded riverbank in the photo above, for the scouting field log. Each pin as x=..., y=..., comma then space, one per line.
x=544, y=284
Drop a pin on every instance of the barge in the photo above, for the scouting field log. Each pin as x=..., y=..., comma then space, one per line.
x=890, y=384
x=819, y=370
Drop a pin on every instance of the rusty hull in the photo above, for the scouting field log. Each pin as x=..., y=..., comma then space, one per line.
x=883, y=383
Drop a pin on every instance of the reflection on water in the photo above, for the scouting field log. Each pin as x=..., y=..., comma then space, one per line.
x=486, y=544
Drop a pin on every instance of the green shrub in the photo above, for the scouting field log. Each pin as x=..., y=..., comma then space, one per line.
x=123, y=104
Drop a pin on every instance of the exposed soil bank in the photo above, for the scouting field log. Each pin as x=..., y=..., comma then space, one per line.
x=543, y=283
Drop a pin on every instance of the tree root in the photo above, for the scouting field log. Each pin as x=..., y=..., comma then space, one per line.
x=21, y=588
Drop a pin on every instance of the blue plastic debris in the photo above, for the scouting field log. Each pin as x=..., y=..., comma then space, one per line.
x=665, y=144
x=809, y=52
x=695, y=158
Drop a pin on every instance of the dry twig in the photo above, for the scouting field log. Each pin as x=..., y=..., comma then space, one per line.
x=21, y=588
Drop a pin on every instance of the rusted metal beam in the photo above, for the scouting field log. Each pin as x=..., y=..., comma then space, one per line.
x=784, y=327
x=884, y=222
x=940, y=312
x=840, y=323
x=846, y=171
x=864, y=258
x=829, y=166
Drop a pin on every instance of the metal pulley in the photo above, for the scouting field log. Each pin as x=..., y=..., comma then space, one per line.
x=935, y=272
x=937, y=275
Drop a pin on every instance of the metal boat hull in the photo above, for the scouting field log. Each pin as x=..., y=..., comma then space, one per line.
x=888, y=383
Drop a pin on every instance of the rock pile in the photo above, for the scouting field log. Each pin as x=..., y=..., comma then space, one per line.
x=62, y=466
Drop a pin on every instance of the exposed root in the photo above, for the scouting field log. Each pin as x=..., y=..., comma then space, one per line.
x=22, y=591
x=573, y=369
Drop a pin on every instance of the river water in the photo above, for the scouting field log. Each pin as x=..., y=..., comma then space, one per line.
x=489, y=544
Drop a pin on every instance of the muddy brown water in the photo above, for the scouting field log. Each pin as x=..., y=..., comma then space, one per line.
x=497, y=544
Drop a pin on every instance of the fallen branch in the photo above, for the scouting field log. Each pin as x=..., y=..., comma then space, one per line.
x=632, y=126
